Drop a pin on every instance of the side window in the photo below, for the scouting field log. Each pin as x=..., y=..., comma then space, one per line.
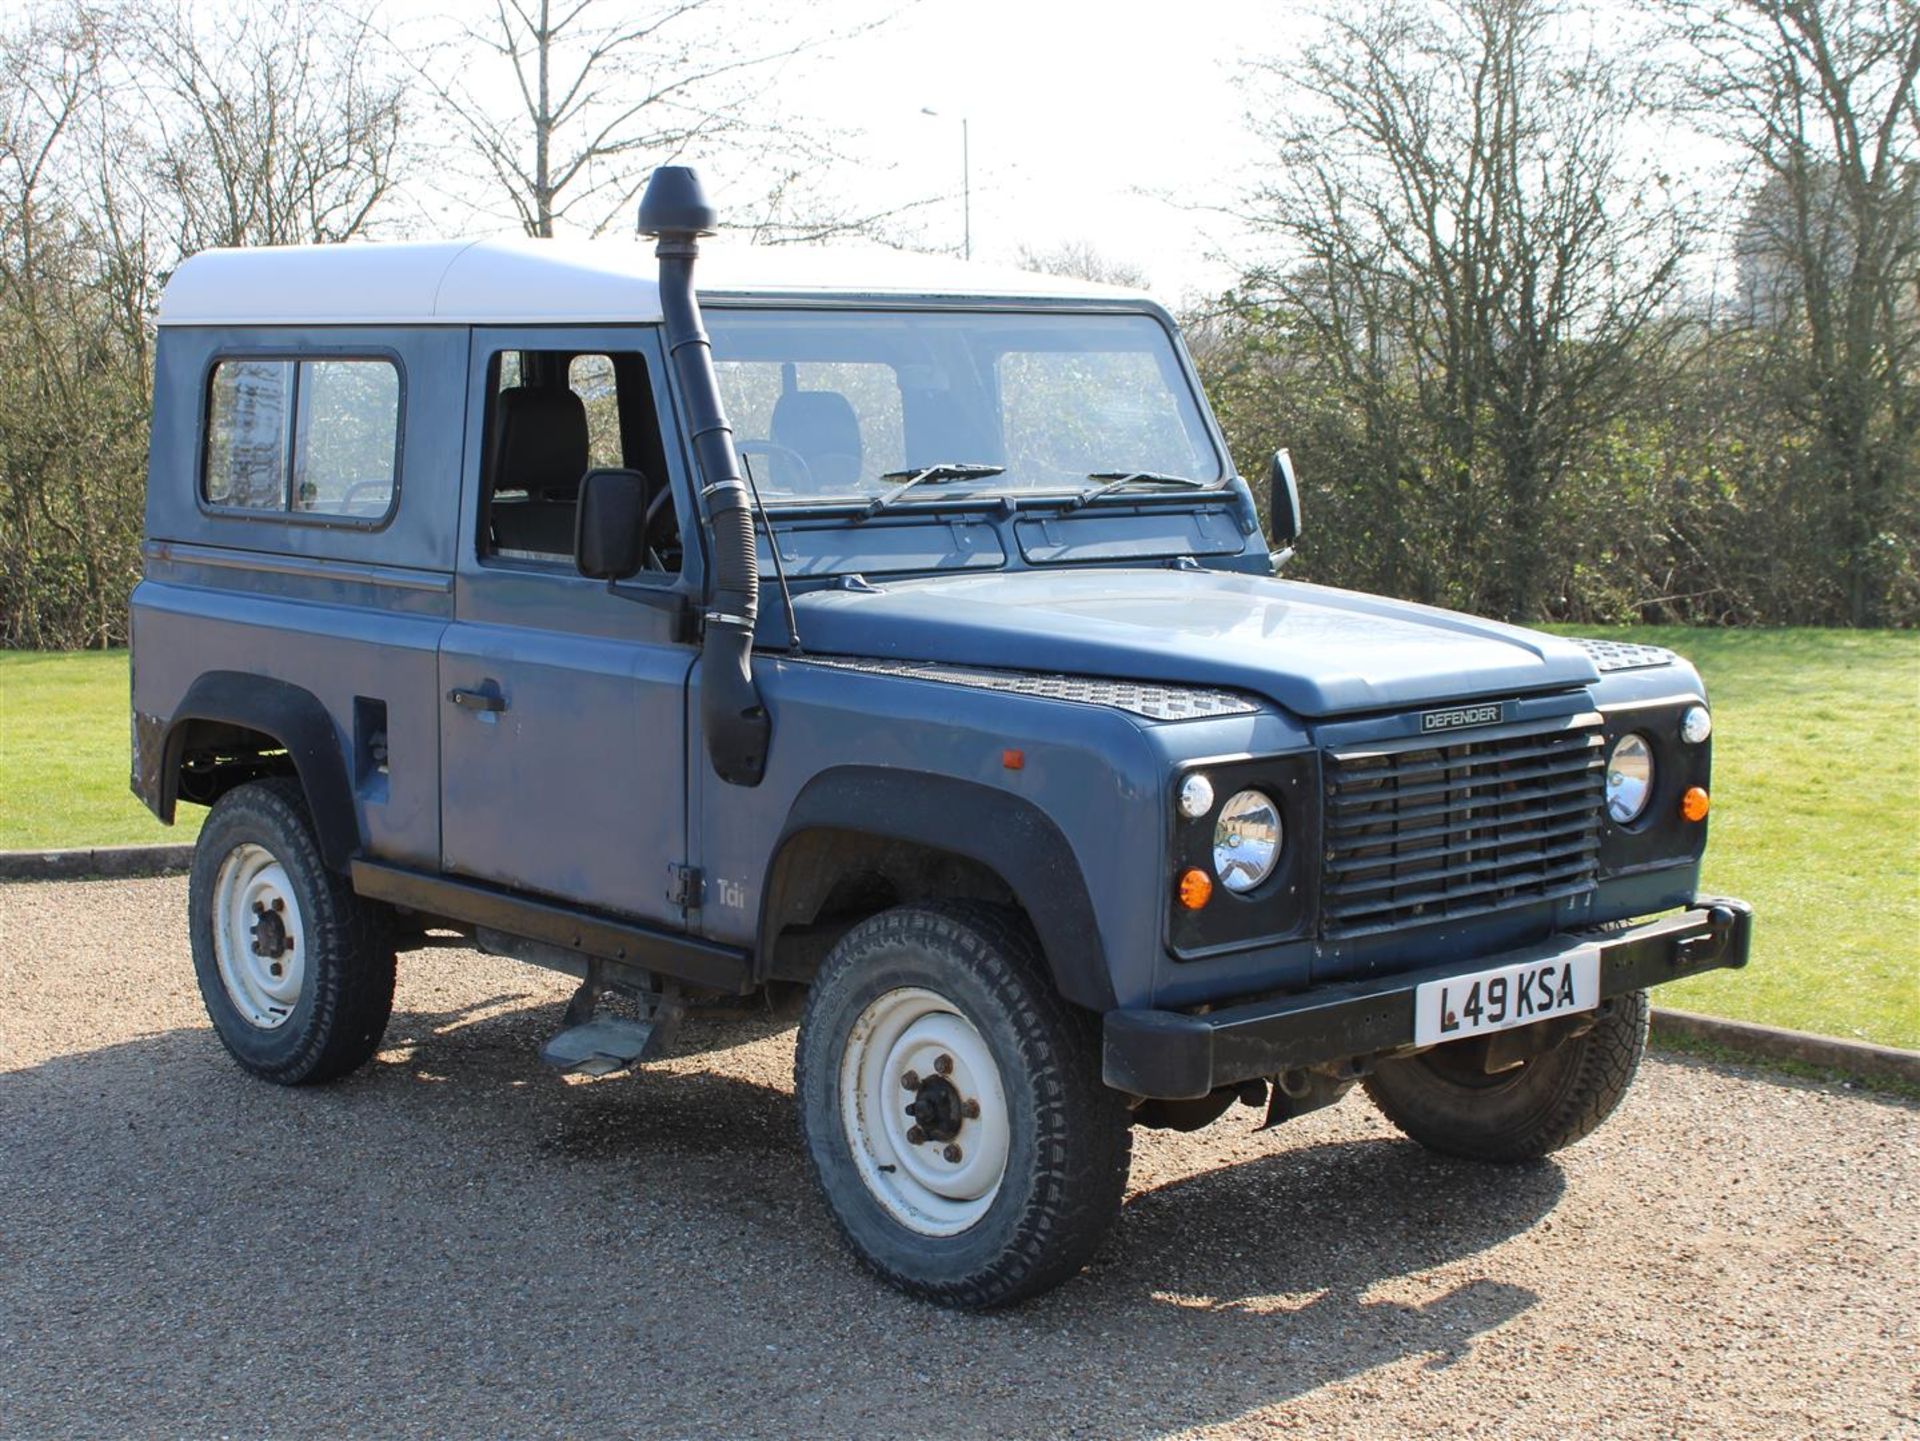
x=309, y=437
x=346, y=437
x=591, y=378
x=247, y=422
x=551, y=417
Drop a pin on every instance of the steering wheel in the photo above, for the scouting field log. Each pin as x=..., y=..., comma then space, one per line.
x=774, y=447
x=658, y=509
x=812, y=486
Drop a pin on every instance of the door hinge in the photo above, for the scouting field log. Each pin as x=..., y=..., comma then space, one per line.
x=686, y=887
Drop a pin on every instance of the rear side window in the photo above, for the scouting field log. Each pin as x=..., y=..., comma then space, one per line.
x=304, y=437
x=247, y=431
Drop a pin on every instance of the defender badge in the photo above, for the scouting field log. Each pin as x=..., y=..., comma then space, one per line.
x=1458, y=716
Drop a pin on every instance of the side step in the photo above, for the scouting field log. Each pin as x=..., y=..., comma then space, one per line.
x=600, y=1047
x=589, y=1044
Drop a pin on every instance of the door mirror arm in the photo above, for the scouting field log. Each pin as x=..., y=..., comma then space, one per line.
x=676, y=601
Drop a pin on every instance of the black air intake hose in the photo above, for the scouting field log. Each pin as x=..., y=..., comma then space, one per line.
x=737, y=727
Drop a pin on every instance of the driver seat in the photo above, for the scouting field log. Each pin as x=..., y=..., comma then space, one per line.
x=539, y=451
x=820, y=426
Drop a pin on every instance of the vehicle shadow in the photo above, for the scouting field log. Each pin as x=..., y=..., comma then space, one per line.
x=459, y=1241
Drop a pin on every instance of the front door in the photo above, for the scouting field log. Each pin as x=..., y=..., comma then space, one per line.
x=563, y=701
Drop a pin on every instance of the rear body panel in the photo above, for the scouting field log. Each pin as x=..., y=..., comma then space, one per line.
x=351, y=615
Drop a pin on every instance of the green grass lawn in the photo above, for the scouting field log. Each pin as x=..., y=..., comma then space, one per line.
x=1816, y=821
x=1816, y=809
x=64, y=755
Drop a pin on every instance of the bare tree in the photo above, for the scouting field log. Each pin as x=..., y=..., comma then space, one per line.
x=72, y=396
x=1082, y=260
x=129, y=136
x=597, y=92
x=801, y=203
x=273, y=126
x=1821, y=96
x=1465, y=224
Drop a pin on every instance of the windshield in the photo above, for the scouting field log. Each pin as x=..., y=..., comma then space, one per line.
x=828, y=404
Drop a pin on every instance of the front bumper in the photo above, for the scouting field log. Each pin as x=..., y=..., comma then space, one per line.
x=1173, y=1055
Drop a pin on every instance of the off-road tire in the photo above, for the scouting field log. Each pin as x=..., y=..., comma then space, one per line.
x=1549, y=1102
x=1066, y=1170
x=346, y=994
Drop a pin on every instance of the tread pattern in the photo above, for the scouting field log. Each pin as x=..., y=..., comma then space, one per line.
x=1083, y=1137
x=1556, y=1099
x=350, y=955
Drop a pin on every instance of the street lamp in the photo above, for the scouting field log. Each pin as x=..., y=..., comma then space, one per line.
x=966, y=186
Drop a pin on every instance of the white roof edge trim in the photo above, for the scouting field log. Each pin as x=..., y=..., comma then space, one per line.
x=487, y=282
x=716, y=300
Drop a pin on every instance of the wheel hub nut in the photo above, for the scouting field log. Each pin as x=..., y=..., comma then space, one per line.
x=270, y=938
x=952, y=1153
x=937, y=1110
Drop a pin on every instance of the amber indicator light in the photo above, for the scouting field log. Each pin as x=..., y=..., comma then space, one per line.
x=1013, y=760
x=1196, y=888
x=1693, y=805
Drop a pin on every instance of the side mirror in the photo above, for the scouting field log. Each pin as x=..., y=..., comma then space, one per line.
x=1283, y=500
x=609, y=526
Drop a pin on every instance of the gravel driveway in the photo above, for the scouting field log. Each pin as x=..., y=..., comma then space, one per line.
x=457, y=1242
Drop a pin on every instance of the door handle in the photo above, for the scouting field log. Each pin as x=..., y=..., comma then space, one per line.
x=480, y=698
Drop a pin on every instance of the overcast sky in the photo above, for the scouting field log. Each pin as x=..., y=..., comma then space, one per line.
x=1082, y=119
x=1115, y=124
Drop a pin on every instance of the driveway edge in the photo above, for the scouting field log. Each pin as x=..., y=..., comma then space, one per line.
x=1854, y=1058
x=97, y=863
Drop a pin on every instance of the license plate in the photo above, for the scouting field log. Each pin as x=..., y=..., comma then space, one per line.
x=1505, y=997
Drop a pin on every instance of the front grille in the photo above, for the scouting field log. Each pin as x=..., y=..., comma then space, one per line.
x=1436, y=832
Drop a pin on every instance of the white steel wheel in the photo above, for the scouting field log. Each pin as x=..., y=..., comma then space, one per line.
x=952, y=1106
x=924, y=1111
x=259, y=939
x=295, y=969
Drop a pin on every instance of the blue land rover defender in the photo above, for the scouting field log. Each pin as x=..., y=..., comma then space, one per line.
x=893, y=635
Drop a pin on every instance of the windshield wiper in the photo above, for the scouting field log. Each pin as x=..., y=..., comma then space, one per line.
x=1124, y=479
x=940, y=474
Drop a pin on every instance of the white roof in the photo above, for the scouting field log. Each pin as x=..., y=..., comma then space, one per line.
x=520, y=280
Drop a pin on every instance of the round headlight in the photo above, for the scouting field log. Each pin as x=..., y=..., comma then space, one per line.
x=1629, y=779
x=1196, y=797
x=1696, y=725
x=1246, y=840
